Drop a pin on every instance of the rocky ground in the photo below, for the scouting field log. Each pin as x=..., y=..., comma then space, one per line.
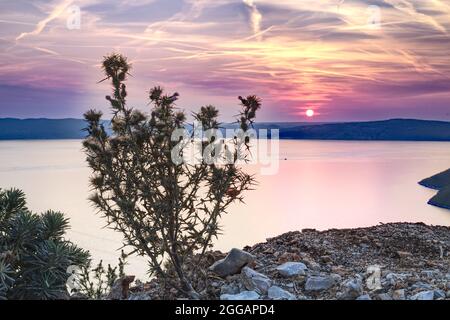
x=395, y=261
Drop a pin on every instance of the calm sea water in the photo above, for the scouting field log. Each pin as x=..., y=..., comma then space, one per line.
x=321, y=184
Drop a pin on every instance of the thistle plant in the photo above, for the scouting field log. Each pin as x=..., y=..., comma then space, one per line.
x=96, y=283
x=34, y=255
x=166, y=210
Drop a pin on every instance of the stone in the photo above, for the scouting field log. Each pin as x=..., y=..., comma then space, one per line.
x=336, y=277
x=292, y=269
x=422, y=286
x=276, y=293
x=139, y=296
x=404, y=254
x=78, y=296
x=439, y=294
x=255, y=281
x=373, y=280
x=319, y=283
x=232, y=263
x=351, y=289
x=399, y=294
x=244, y=295
x=229, y=288
x=364, y=297
x=392, y=279
x=423, y=295
x=313, y=265
x=120, y=288
x=430, y=274
x=288, y=256
x=384, y=296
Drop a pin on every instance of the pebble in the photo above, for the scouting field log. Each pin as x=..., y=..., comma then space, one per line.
x=424, y=295
x=277, y=293
x=255, y=281
x=232, y=263
x=399, y=294
x=319, y=283
x=244, y=295
x=292, y=269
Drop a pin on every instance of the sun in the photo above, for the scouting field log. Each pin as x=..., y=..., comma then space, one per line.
x=310, y=113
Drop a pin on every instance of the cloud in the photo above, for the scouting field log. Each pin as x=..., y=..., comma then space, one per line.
x=55, y=13
x=255, y=17
x=312, y=54
x=409, y=8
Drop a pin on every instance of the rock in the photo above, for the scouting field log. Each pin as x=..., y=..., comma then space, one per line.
x=232, y=263
x=364, y=297
x=292, y=269
x=373, y=281
x=424, y=295
x=276, y=293
x=120, y=288
x=404, y=254
x=399, y=294
x=244, y=295
x=255, y=281
x=139, y=296
x=312, y=265
x=336, y=277
x=319, y=283
x=288, y=256
x=229, y=288
x=63, y=296
x=393, y=279
x=422, y=286
x=351, y=289
x=384, y=296
x=439, y=294
x=78, y=296
x=430, y=274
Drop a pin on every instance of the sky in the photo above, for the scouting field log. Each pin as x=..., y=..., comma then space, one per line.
x=346, y=60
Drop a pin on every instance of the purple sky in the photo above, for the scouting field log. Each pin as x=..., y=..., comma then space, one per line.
x=346, y=60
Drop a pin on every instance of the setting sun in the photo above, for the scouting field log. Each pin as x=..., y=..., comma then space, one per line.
x=309, y=113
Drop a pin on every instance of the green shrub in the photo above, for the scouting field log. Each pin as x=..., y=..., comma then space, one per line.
x=34, y=256
x=166, y=211
x=96, y=283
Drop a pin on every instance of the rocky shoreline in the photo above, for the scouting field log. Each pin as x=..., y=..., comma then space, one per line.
x=395, y=261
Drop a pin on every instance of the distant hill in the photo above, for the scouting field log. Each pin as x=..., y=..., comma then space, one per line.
x=18, y=129
x=33, y=129
x=441, y=182
x=396, y=129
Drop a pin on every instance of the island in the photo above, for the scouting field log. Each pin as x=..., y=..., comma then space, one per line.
x=441, y=182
